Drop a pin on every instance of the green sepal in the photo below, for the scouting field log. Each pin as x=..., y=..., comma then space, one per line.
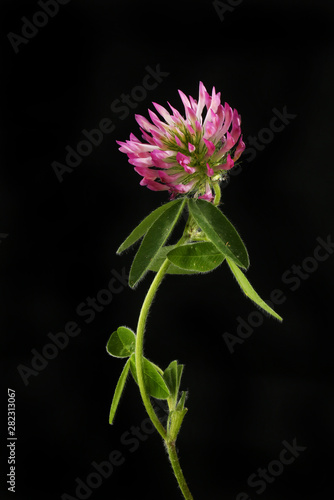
x=174, y=423
x=154, y=383
x=121, y=343
x=199, y=257
x=172, y=376
x=182, y=400
x=249, y=290
x=118, y=391
x=154, y=240
x=219, y=231
x=144, y=226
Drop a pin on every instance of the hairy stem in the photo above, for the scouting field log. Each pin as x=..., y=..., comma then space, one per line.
x=140, y=375
x=139, y=348
x=174, y=460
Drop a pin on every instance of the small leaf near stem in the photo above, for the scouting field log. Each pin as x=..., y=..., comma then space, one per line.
x=154, y=382
x=118, y=391
x=121, y=343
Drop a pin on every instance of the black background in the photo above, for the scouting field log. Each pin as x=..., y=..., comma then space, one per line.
x=62, y=238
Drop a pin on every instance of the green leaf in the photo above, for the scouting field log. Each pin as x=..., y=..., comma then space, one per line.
x=161, y=257
x=200, y=257
x=182, y=400
x=121, y=343
x=144, y=226
x=118, y=391
x=219, y=230
x=249, y=290
x=172, y=376
x=154, y=383
x=154, y=240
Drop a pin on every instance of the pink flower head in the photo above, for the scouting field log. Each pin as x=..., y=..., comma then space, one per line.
x=187, y=155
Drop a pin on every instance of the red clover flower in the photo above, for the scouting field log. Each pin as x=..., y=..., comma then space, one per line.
x=187, y=155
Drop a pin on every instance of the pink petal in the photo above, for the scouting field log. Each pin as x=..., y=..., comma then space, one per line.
x=215, y=100
x=168, y=136
x=208, y=196
x=133, y=138
x=189, y=170
x=236, y=129
x=210, y=130
x=215, y=119
x=158, y=158
x=144, y=123
x=182, y=159
x=191, y=115
x=228, y=119
x=229, y=143
x=185, y=100
x=169, y=178
x=184, y=162
x=153, y=185
x=210, y=170
x=142, y=162
x=184, y=188
x=148, y=173
x=176, y=114
x=147, y=137
x=208, y=100
x=239, y=149
x=164, y=113
x=228, y=165
x=178, y=142
x=193, y=103
x=135, y=147
x=162, y=126
x=124, y=148
x=191, y=130
x=191, y=147
x=138, y=147
x=211, y=147
x=201, y=101
x=220, y=115
x=157, y=135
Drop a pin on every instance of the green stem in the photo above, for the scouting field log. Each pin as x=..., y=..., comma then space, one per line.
x=140, y=375
x=174, y=460
x=139, y=347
